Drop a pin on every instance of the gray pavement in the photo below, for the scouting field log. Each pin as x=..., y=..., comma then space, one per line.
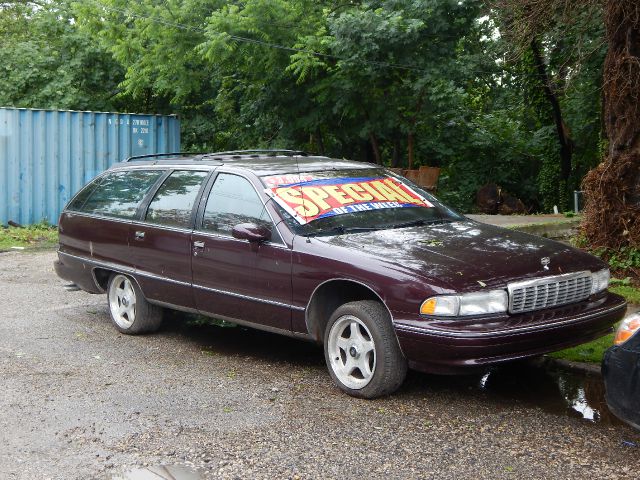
x=514, y=220
x=556, y=227
x=80, y=401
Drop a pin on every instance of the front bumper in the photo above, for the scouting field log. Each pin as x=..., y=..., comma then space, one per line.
x=460, y=346
x=621, y=373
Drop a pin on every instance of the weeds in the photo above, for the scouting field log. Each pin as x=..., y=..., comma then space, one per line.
x=39, y=235
x=629, y=292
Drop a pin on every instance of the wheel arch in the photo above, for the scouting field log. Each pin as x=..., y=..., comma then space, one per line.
x=329, y=295
x=101, y=276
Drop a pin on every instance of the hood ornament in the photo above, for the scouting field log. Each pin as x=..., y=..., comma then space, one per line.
x=545, y=261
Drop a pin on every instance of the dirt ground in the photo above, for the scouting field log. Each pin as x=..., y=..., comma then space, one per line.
x=80, y=401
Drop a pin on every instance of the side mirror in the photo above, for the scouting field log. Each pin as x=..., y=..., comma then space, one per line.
x=251, y=232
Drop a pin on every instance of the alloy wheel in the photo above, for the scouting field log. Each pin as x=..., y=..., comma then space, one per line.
x=352, y=352
x=122, y=301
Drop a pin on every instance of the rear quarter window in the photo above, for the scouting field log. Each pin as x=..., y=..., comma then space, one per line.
x=81, y=197
x=117, y=194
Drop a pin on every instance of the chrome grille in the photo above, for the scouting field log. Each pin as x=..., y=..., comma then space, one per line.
x=549, y=292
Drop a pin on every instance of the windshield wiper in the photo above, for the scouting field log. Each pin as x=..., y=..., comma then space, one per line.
x=412, y=223
x=419, y=223
x=340, y=230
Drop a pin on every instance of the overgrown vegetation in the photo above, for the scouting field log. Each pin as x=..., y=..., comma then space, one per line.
x=624, y=261
x=612, y=212
x=628, y=291
x=40, y=235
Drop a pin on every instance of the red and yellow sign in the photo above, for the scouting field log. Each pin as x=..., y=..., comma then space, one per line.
x=309, y=199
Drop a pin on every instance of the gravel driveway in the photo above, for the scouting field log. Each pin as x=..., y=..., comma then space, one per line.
x=79, y=400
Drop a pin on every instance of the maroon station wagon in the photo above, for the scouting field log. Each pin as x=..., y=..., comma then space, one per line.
x=339, y=252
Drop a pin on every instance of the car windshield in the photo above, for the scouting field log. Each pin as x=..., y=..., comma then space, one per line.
x=348, y=201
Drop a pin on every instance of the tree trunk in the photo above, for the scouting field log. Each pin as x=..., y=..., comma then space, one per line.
x=375, y=147
x=410, y=142
x=411, y=137
x=397, y=155
x=612, y=189
x=564, y=137
x=319, y=141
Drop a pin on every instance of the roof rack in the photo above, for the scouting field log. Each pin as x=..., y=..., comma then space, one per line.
x=151, y=155
x=268, y=152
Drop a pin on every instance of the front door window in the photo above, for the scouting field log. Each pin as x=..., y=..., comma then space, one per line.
x=233, y=201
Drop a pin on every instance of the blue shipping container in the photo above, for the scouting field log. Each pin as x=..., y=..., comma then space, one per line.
x=46, y=156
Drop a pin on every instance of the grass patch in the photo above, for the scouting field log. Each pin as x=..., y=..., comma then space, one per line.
x=39, y=235
x=629, y=292
x=591, y=352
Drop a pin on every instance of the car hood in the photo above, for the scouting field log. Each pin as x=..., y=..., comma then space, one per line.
x=466, y=255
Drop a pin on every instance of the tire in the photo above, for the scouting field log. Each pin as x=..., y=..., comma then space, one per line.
x=130, y=312
x=362, y=352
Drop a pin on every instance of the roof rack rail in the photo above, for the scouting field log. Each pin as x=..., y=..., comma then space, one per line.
x=151, y=155
x=258, y=152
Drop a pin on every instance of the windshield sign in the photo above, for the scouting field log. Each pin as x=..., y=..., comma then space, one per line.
x=307, y=198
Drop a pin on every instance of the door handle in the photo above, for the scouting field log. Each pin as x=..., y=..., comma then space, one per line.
x=139, y=235
x=197, y=246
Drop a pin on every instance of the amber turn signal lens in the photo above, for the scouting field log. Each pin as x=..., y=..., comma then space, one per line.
x=428, y=307
x=627, y=329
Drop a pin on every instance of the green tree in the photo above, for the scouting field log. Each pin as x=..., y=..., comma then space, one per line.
x=47, y=62
x=399, y=82
x=387, y=69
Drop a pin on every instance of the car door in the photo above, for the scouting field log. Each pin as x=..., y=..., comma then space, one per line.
x=238, y=279
x=160, y=243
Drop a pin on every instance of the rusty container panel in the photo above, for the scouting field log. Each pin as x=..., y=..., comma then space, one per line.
x=46, y=156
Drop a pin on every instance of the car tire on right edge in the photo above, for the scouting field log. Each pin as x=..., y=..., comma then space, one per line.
x=362, y=351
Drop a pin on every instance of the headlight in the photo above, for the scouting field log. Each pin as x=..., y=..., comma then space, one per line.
x=600, y=281
x=629, y=326
x=477, y=303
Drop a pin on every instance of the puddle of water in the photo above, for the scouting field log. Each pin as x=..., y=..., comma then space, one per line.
x=552, y=389
x=159, y=472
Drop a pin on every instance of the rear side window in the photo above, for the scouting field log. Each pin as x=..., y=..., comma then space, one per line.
x=173, y=203
x=119, y=194
x=78, y=201
x=232, y=201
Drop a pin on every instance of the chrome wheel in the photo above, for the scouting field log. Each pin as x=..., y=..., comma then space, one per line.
x=352, y=352
x=122, y=301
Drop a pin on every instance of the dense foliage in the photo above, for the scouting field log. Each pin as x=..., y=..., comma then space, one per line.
x=611, y=218
x=46, y=61
x=426, y=82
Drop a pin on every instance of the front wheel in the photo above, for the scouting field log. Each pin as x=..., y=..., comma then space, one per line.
x=362, y=351
x=131, y=313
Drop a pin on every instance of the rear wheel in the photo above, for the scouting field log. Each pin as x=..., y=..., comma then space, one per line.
x=130, y=312
x=362, y=351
